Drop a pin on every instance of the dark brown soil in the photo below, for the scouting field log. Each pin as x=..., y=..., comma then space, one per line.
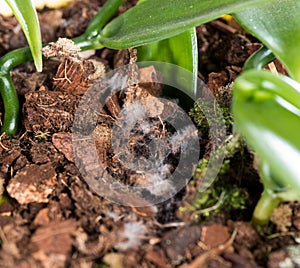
x=50, y=218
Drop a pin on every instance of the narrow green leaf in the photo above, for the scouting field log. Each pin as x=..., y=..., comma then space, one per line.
x=277, y=25
x=155, y=20
x=267, y=112
x=181, y=50
x=27, y=17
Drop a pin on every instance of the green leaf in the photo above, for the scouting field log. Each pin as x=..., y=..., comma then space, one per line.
x=181, y=50
x=27, y=17
x=277, y=25
x=155, y=20
x=266, y=108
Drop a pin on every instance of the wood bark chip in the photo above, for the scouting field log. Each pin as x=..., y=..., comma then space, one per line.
x=211, y=240
x=33, y=183
x=75, y=74
x=72, y=76
x=63, y=143
x=158, y=258
x=175, y=242
x=246, y=234
x=282, y=217
x=42, y=217
x=201, y=260
x=51, y=244
x=45, y=152
x=8, y=159
x=49, y=112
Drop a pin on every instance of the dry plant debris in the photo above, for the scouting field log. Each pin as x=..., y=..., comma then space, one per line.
x=282, y=217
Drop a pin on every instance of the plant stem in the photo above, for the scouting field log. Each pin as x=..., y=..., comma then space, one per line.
x=265, y=206
x=102, y=17
x=14, y=58
x=90, y=38
x=7, y=89
x=87, y=44
x=11, y=105
x=259, y=59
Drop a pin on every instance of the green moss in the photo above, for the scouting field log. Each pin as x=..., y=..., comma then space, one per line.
x=220, y=105
x=225, y=193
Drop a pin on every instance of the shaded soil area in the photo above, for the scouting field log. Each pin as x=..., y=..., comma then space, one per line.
x=49, y=216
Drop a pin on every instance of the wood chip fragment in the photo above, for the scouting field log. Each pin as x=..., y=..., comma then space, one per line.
x=158, y=258
x=33, y=183
x=74, y=75
x=282, y=217
x=63, y=143
x=42, y=217
x=52, y=243
x=214, y=235
x=175, y=242
x=201, y=260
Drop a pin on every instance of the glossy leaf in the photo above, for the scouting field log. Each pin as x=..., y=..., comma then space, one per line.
x=27, y=17
x=156, y=20
x=277, y=25
x=181, y=50
x=266, y=108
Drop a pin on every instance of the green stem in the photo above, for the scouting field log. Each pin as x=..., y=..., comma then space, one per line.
x=102, y=17
x=87, y=44
x=11, y=105
x=259, y=59
x=90, y=38
x=265, y=206
x=7, y=89
x=14, y=58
